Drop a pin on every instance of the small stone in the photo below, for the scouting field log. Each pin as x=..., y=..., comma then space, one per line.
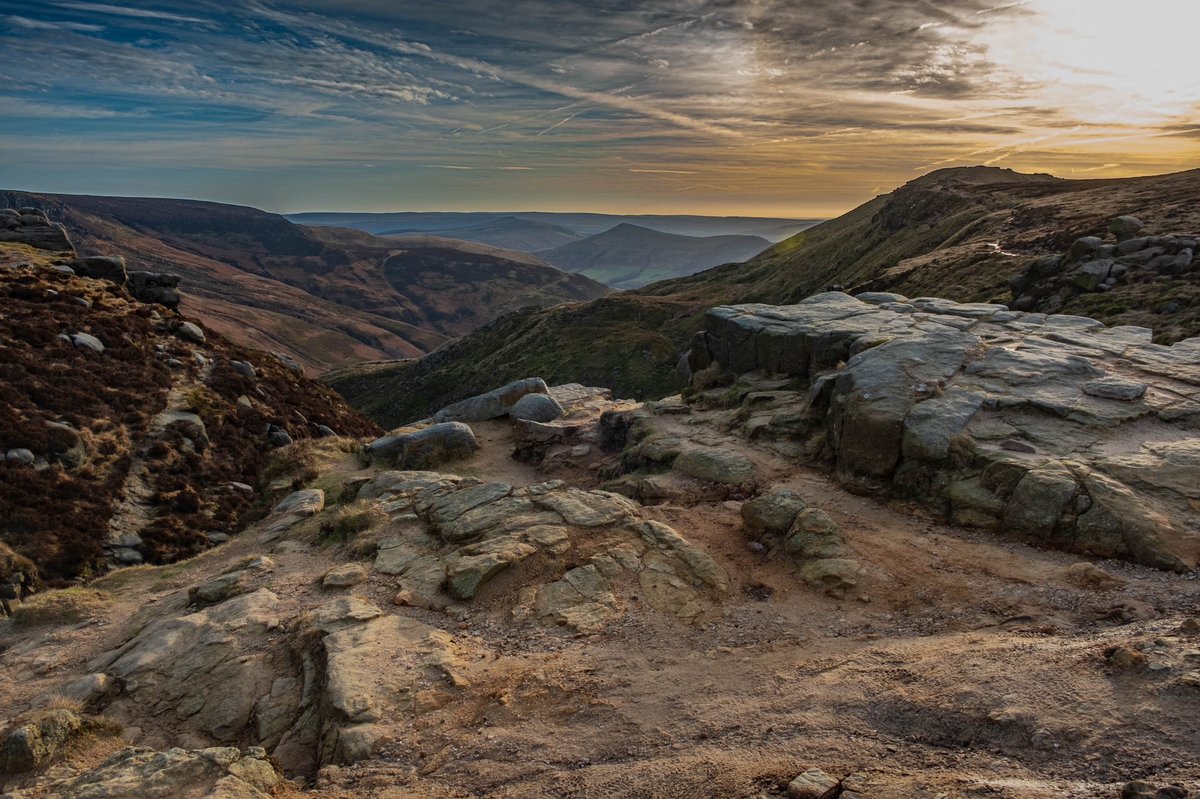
x=1127, y=660
x=1125, y=227
x=344, y=576
x=813, y=784
x=191, y=332
x=244, y=369
x=21, y=455
x=86, y=341
x=772, y=513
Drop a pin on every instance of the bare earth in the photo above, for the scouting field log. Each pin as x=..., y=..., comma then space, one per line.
x=962, y=666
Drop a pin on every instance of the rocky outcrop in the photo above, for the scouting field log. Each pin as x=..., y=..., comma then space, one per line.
x=31, y=226
x=34, y=740
x=492, y=405
x=426, y=447
x=214, y=773
x=1092, y=265
x=1038, y=426
x=471, y=532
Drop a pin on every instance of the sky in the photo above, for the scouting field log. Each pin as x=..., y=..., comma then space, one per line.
x=796, y=108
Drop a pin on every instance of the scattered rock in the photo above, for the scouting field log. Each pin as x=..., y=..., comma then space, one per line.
x=1125, y=227
x=244, y=369
x=89, y=690
x=1145, y=790
x=492, y=405
x=813, y=784
x=714, y=465
x=344, y=576
x=278, y=437
x=1124, y=659
x=536, y=408
x=771, y=514
x=86, y=341
x=432, y=446
x=33, y=741
x=21, y=455
x=189, y=331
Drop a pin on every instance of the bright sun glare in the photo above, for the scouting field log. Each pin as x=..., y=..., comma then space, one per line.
x=1106, y=61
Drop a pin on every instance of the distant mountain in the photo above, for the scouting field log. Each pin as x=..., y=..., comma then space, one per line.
x=629, y=256
x=325, y=296
x=454, y=225
x=509, y=232
x=962, y=234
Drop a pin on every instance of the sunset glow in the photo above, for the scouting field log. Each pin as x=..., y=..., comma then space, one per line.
x=760, y=107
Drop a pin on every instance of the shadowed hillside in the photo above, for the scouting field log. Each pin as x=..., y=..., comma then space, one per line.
x=321, y=295
x=131, y=434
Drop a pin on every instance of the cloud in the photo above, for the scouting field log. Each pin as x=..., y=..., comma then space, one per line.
x=766, y=99
x=48, y=25
x=140, y=13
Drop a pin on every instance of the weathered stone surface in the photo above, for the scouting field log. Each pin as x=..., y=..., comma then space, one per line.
x=923, y=397
x=38, y=232
x=291, y=510
x=772, y=514
x=714, y=465
x=434, y=445
x=492, y=405
x=813, y=784
x=814, y=535
x=1039, y=500
x=1115, y=388
x=536, y=407
x=203, y=667
x=344, y=576
x=33, y=741
x=217, y=773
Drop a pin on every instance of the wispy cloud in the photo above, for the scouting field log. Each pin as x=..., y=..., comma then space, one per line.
x=139, y=13
x=773, y=102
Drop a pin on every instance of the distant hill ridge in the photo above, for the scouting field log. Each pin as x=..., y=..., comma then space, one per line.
x=961, y=234
x=324, y=296
x=582, y=224
x=629, y=256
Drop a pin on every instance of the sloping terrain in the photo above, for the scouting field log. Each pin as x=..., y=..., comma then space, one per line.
x=320, y=295
x=957, y=233
x=628, y=256
x=509, y=232
x=507, y=628
x=127, y=431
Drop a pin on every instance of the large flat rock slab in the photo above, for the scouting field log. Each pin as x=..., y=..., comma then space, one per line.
x=923, y=396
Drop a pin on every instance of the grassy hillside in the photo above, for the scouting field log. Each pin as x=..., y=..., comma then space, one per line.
x=957, y=233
